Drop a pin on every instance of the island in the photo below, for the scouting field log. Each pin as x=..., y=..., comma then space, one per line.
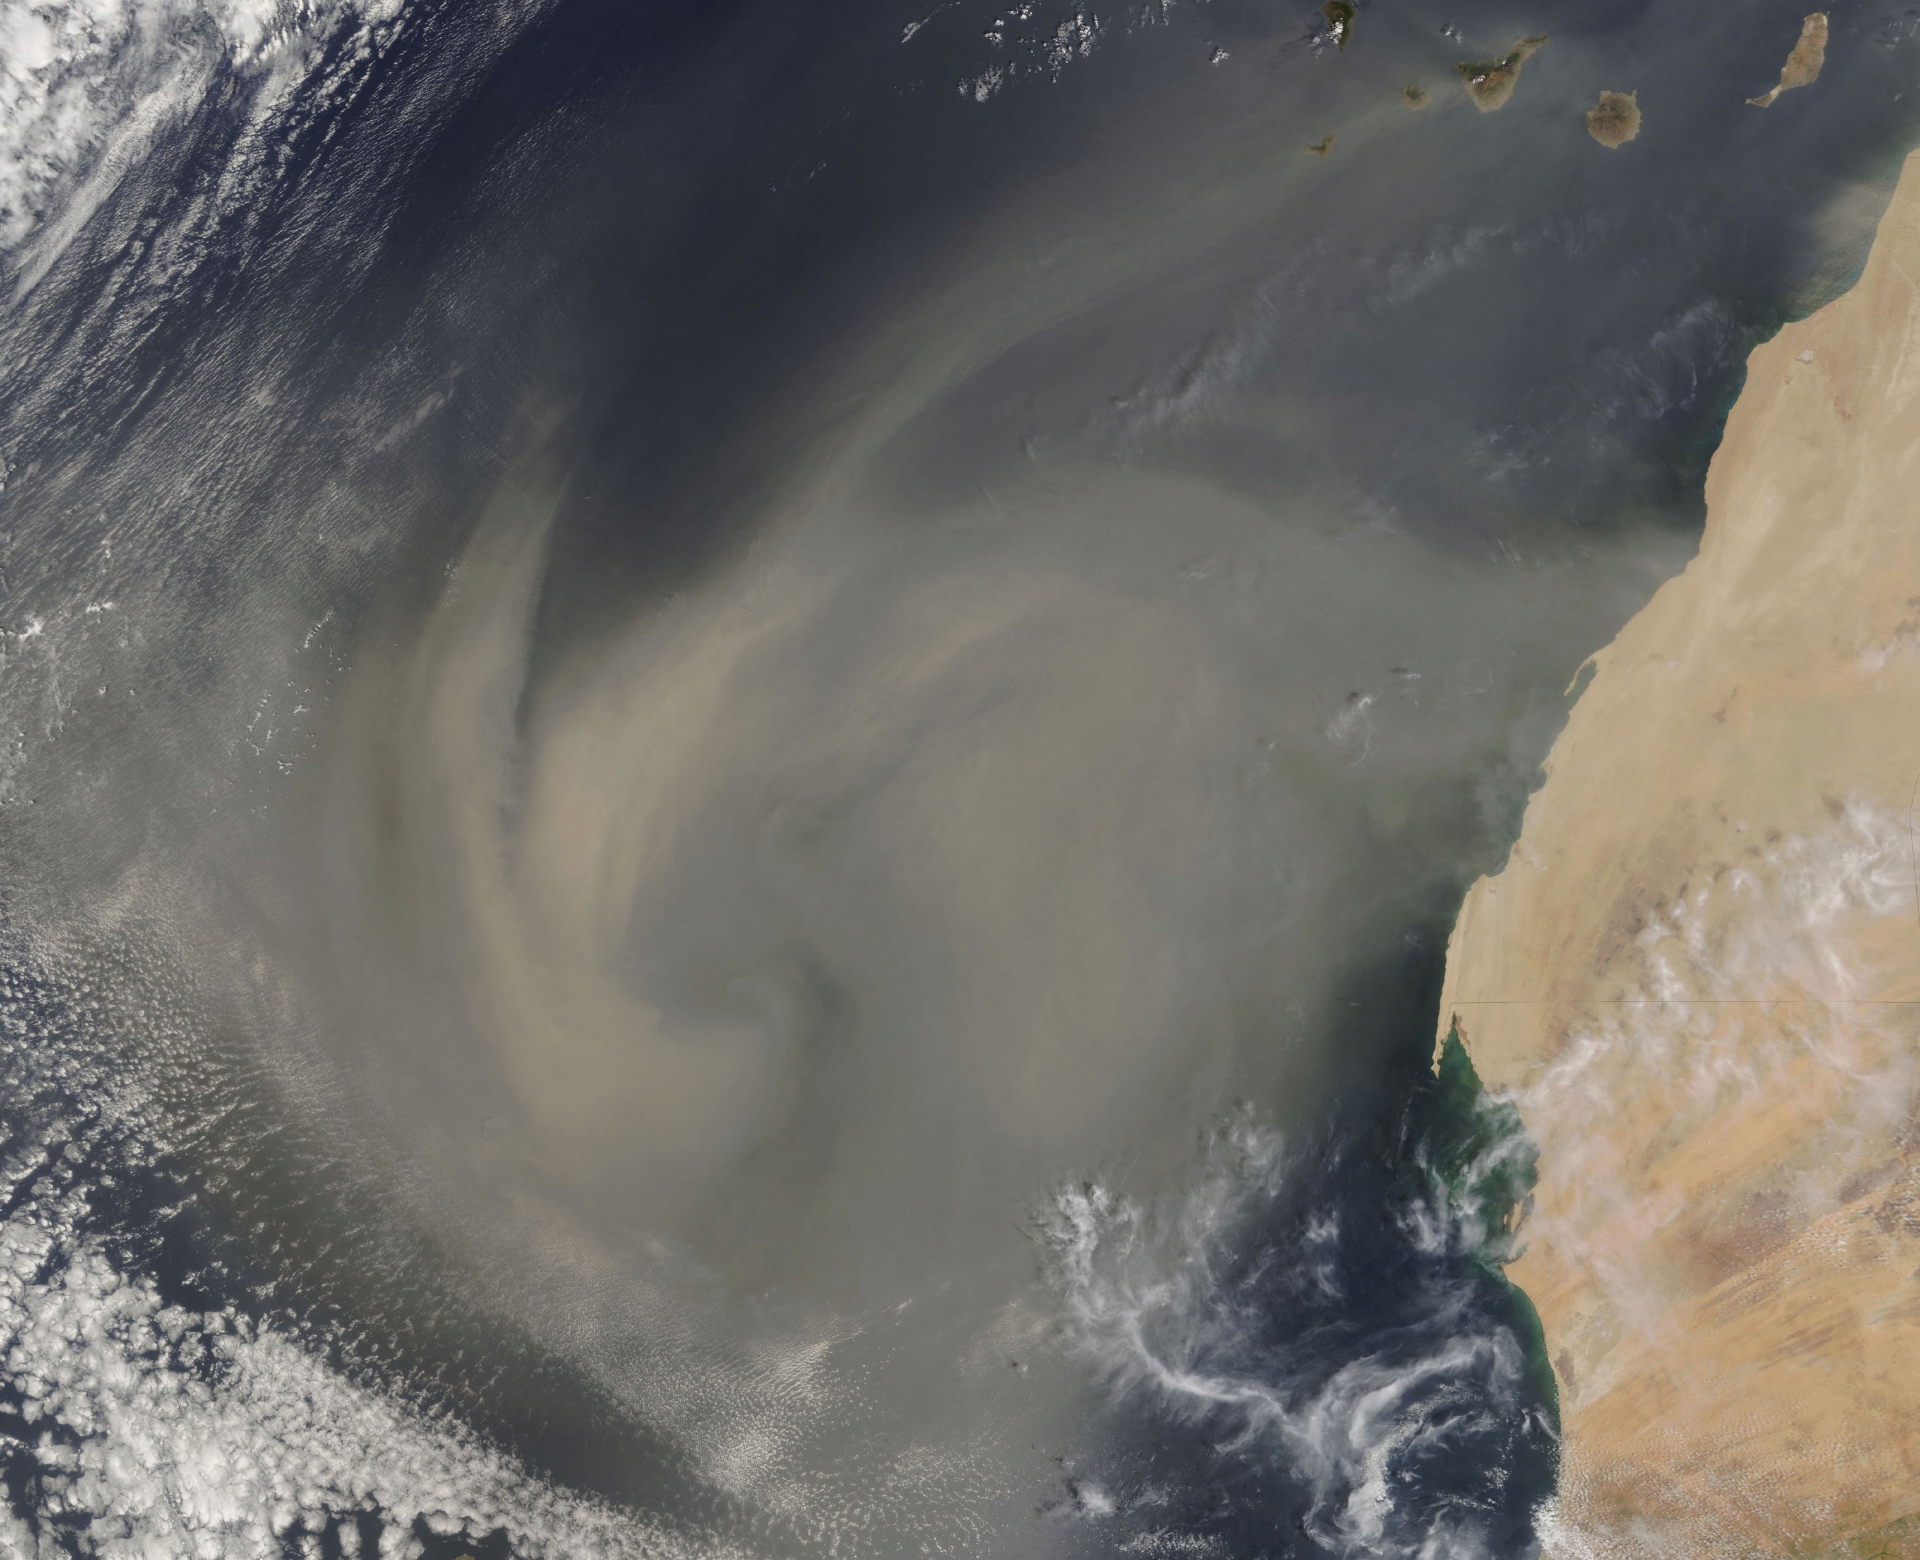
x=1803, y=63
x=1490, y=82
x=1615, y=119
x=1338, y=15
x=1697, y=978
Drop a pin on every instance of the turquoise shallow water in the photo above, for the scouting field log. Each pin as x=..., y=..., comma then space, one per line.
x=738, y=741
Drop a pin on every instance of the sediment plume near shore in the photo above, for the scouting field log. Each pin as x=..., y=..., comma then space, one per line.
x=1699, y=977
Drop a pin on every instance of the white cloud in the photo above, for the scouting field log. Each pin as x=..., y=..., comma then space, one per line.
x=182, y=1433
x=86, y=86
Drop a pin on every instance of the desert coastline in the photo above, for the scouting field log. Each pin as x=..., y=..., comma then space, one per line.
x=1698, y=976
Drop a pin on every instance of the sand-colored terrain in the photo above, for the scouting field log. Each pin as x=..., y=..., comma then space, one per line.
x=1803, y=65
x=1615, y=119
x=1490, y=83
x=1699, y=975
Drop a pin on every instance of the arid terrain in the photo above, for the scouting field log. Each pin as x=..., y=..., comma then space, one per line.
x=1699, y=975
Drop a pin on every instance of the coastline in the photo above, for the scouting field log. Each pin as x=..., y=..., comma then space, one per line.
x=1698, y=977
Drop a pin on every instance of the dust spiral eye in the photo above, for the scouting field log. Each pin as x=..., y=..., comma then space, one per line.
x=944, y=818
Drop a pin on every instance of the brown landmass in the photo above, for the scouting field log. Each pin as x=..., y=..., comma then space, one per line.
x=1699, y=977
x=1490, y=82
x=1339, y=16
x=1415, y=96
x=1321, y=147
x=1615, y=119
x=1803, y=64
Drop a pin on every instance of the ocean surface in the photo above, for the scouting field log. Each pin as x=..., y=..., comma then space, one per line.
x=736, y=740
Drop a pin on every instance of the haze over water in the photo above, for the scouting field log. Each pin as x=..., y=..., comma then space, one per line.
x=738, y=739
